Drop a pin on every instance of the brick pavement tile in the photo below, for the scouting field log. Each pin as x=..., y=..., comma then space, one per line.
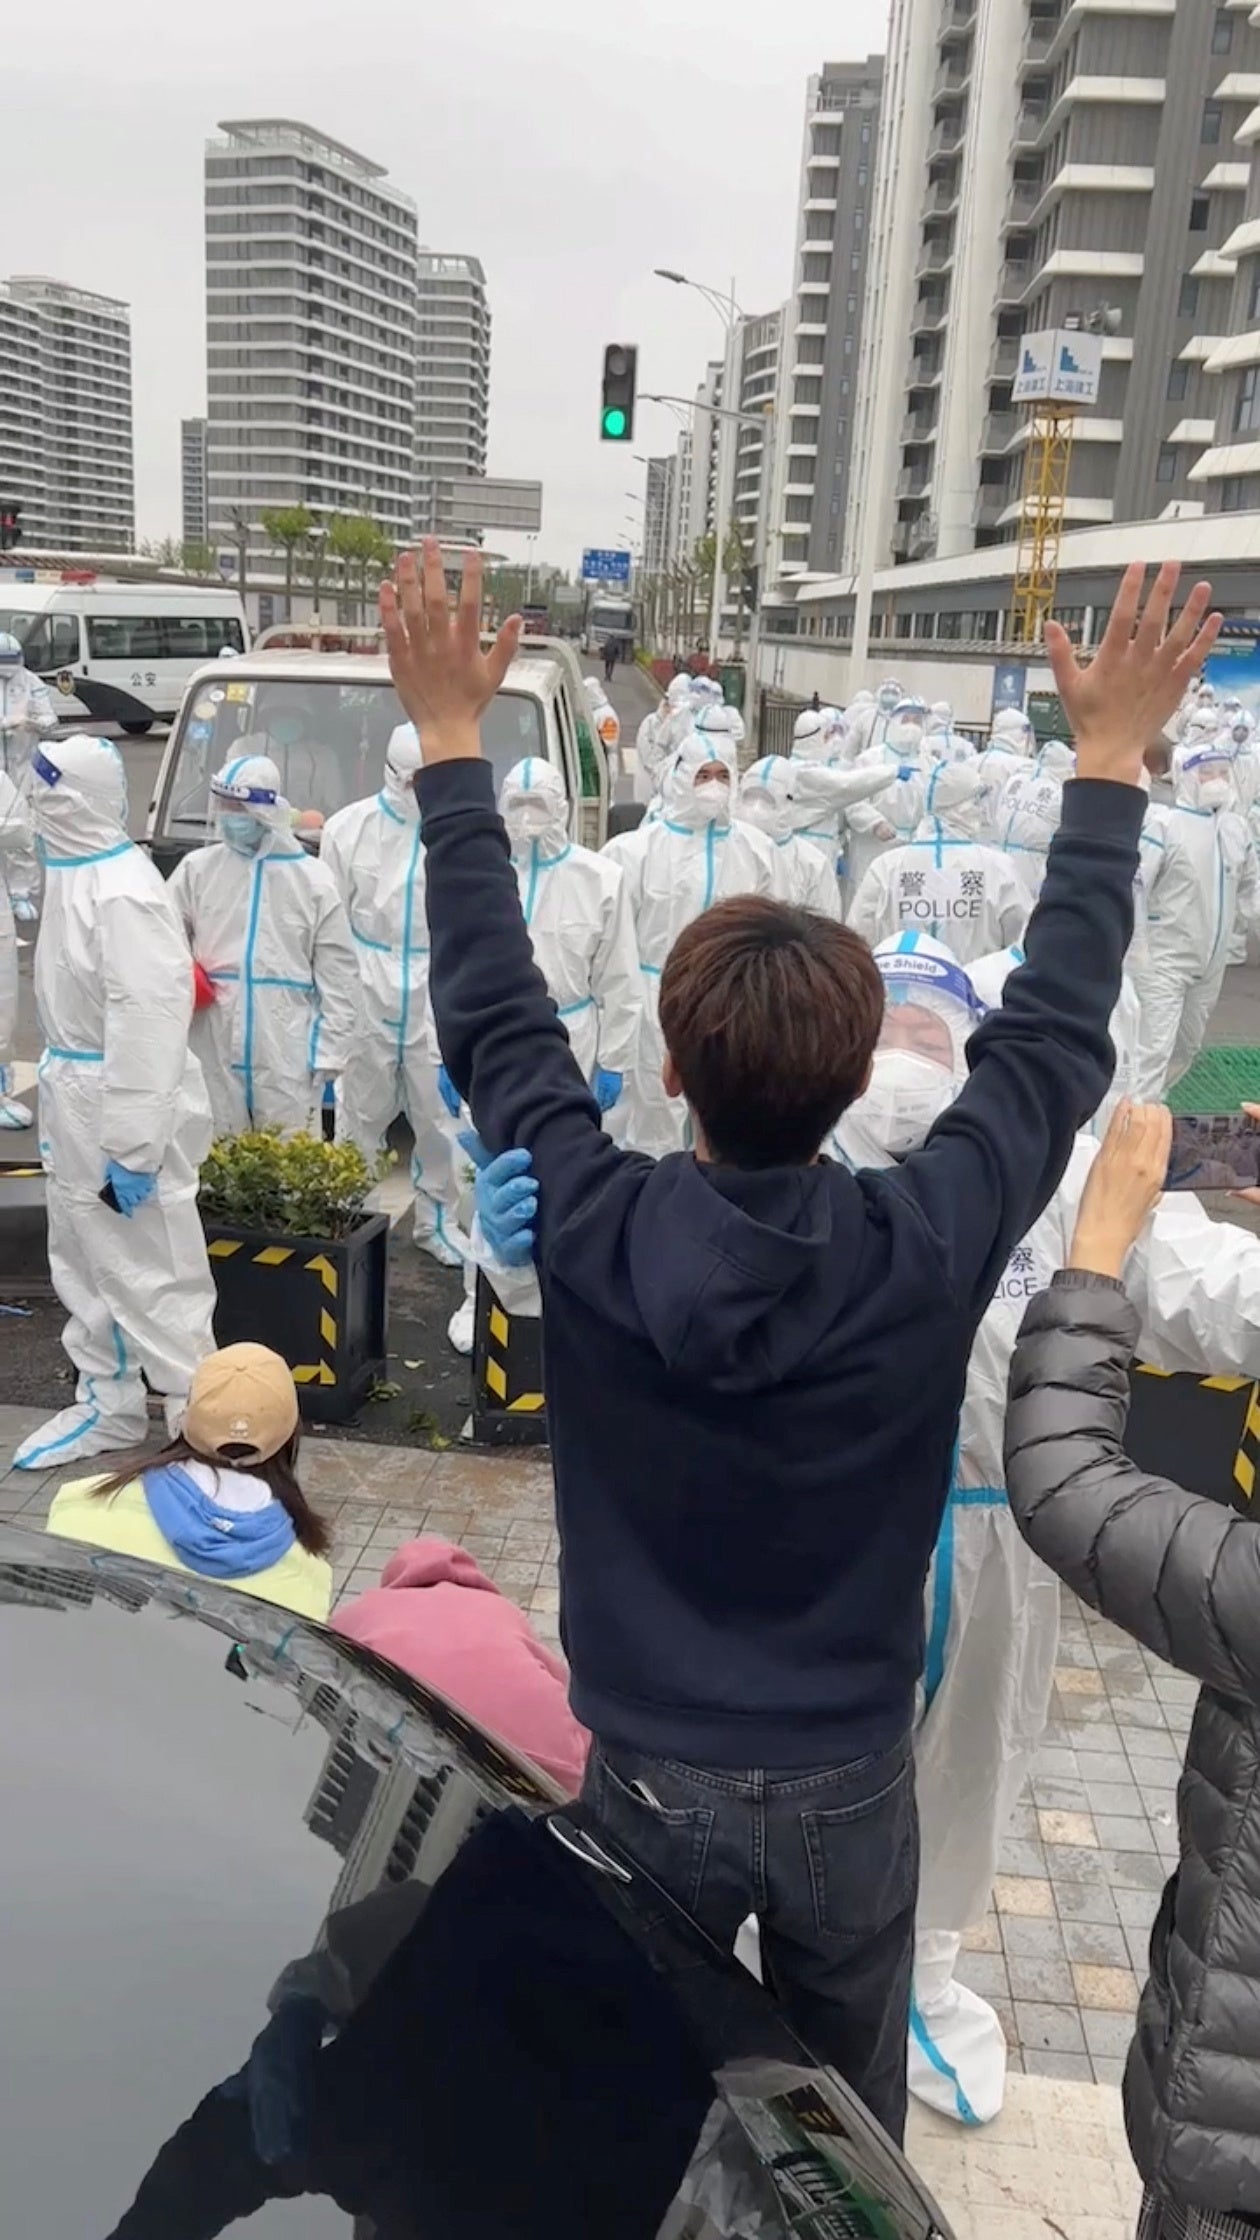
x=1024, y=1894
x=1050, y=2029
x=1079, y=1680
x=1067, y=1827
x=1117, y=1833
x=1114, y=1796
x=1108, y=2070
x=1137, y=1908
x=445, y=1524
x=1059, y=1795
x=1077, y=1649
x=1174, y=1687
x=545, y=1600
x=1120, y=1657
x=1152, y=1743
x=504, y=1480
x=986, y=1936
x=526, y=1534
x=1043, y=1982
x=1086, y=1901
x=1091, y=1722
x=1070, y=1862
x=1020, y=1856
x=1023, y=1821
x=1039, y=2061
x=1099, y=1944
x=1139, y=1947
x=985, y=1973
x=1026, y=1937
x=1107, y=2032
x=1134, y=1870
x=1145, y=1718
x=1055, y=1764
x=1129, y=1686
x=518, y=1576
x=1114, y=1989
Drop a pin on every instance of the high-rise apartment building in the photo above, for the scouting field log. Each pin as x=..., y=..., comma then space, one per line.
x=825, y=319
x=677, y=548
x=1222, y=372
x=193, y=492
x=754, y=378
x=311, y=331
x=452, y=381
x=658, y=493
x=1044, y=163
x=65, y=416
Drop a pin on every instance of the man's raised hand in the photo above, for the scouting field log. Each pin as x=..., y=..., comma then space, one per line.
x=441, y=674
x=1120, y=701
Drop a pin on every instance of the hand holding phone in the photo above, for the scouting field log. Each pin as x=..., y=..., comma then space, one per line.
x=1215, y=1151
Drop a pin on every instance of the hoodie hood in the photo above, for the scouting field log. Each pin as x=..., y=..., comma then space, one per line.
x=687, y=806
x=535, y=810
x=766, y=798
x=954, y=809
x=78, y=798
x=435, y=1563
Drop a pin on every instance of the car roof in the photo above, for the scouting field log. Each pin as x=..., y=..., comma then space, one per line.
x=539, y=674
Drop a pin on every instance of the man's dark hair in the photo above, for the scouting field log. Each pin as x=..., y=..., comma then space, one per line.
x=771, y=1015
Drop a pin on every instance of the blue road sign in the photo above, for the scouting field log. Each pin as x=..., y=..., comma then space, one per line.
x=605, y=567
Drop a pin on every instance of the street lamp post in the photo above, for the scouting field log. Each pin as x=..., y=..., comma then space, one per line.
x=730, y=315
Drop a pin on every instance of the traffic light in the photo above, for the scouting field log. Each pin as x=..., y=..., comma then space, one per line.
x=616, y=417
x=10, y=525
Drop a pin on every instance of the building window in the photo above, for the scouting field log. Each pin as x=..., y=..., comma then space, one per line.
x=1166, y=464
x=850, y=304
x=1247, y=407
x=1233, y=494
x=1210, y=129
x=1188, y=299
x=1178, y=377
x=865, y=134
x=1253, y=295
x=1223, y=32
x=1199, y=209
x=855, y=261
x=863, y=175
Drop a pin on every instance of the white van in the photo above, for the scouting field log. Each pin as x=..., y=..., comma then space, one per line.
x=119, y=652
x=326, y=718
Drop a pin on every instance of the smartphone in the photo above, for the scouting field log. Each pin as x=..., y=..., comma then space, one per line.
x=1214, y=1151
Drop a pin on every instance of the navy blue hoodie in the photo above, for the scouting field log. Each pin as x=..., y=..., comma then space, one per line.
x=753, y=1379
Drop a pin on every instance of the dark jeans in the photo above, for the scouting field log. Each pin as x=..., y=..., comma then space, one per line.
x=829, y=1863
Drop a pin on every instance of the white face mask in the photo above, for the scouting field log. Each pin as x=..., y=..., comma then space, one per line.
x=907, y=1094
x=400, y=792
x=713, y=801
x=528, y=820
x=905, y=737
x=758, y=807
x=1214, y=793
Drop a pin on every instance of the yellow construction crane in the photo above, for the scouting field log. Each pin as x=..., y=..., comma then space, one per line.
x=1047, y=467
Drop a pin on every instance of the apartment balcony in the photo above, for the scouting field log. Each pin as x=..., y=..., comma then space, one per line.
x=1013, y=280
x=918, y=427
x=953, y=77
x=947, y=138
x=941, y=199
x=926, y=369
x=934, y=256
x=1004, y=358
x=913, y=482
x=958, y=19
x=1028, y=124
x=1000, y=429
x=1020, y=204
x=922, y=539
x=930, y=314
x=991, y=502
x=1038, y=40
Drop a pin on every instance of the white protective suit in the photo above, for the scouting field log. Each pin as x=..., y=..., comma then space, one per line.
x=1012, y=745
x=690, y=857
x=606, y=721
x=769, y=801
x=372, y=850
x=26, y=710
x=706, y=692
x=893, y=819
x=1200, y=875
x=17, y=879
x=269, y=929
x=1028, y=819
x=659, y=734
x=114, y=988
x=992, y=1608
x=945, y=882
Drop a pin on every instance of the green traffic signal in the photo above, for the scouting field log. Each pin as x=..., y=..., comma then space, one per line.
x=614, y=423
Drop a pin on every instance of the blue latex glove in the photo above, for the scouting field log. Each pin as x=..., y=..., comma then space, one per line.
x=131, y=1190
x=506, y=1198
x=329, y=1099
x=606, y=1088
x=448, y=1093
x=24, y=909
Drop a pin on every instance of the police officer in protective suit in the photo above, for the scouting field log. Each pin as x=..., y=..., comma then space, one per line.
x=945, y=882
x=992, y=1609
x=26, y=709
x=1199, y=872
x=266, y=925
x=375, y=854
x=18, y=876
x=123, y=1110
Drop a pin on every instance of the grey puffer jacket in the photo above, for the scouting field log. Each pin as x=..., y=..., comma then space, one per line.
x=1183, y=1577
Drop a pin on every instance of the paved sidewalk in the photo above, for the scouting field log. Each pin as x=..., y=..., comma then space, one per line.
x=1055, y=2166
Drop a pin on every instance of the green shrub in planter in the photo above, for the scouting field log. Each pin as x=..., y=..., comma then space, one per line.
x=298, y=1264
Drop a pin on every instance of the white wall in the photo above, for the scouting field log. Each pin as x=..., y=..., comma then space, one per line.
x=801, y=670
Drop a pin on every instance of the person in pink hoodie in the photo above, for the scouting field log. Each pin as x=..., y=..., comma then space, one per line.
x=437, y=1616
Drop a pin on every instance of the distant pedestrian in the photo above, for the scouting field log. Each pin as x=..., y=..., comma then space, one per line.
x=612, y=647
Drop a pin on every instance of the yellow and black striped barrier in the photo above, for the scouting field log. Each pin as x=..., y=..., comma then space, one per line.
x=1201, y=1432
x=509, y=1406
x=320, y=1304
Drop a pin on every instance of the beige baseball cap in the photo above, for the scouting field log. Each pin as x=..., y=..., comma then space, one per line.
x=242, y=1398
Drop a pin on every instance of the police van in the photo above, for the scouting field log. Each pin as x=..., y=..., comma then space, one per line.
x=325, y=718
x=119, y=652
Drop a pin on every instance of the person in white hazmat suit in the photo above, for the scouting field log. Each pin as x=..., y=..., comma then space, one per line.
x=796, y=803
x=1199, y=874
x=945, y=882
x=707, y=693
x=607, y=722
x=1012, y=746
x=374, y=853
x=577, y=911
x=693, y=855
x=123, y=1111
x=18, y=878
x=658, y=735
x=892, y=819
x=1029, y=818
x=992, y=1609
x=26, y=710
x=266, y=924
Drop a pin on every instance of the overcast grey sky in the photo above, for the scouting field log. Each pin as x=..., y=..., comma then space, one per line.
x=571, y=144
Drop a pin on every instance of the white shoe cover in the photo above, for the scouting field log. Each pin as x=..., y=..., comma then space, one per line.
x=461, y=1328
x=957, y=2053
x=13, y=1114
x=438, y=1235
x=76, y=1433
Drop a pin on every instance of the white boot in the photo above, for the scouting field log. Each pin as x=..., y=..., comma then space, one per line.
x=77, y=1432
x=13, y=1114
x=461, y=1330
x=957, y=2055
x=437, y=1234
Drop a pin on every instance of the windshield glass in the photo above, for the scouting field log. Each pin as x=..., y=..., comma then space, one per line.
x=17, y=621
x=607, y=617
x=329, y=740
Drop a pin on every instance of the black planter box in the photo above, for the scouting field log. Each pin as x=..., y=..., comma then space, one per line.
x=321, y=1304
x=509, y=1408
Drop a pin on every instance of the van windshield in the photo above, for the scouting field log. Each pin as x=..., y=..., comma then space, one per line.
x=328, y=740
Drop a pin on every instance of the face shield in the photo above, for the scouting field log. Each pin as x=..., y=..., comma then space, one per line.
x=535, y=809
x=904, y=735
x=10, y=651
x=1205, y=778
x=696, y=787
x=402, y=760
x=78, y=796
x=920, y=1062
x=247, y=802
x=940, y=720
x=766, y=798
x=889, y=696
x=989, y=975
